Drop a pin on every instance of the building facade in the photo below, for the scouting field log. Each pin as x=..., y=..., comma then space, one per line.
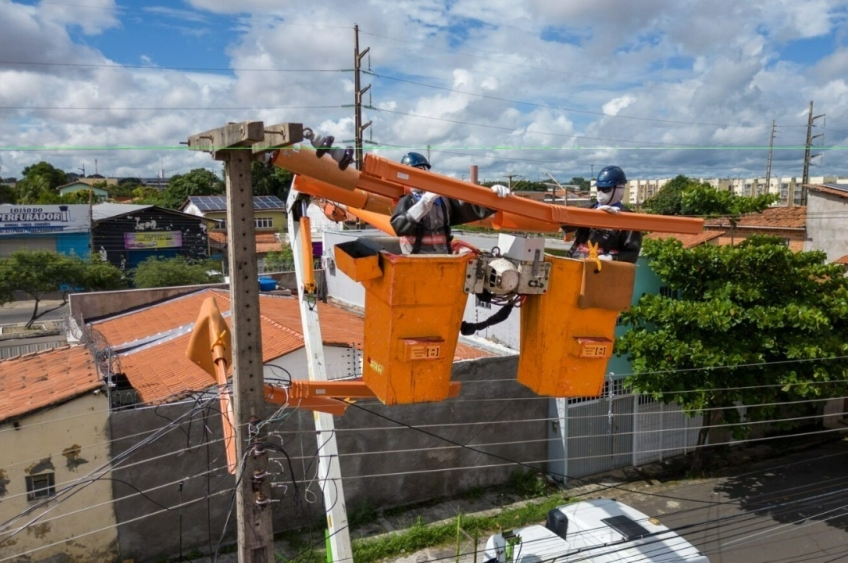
x=56, y=228
x=54, y=435
x=127, y=235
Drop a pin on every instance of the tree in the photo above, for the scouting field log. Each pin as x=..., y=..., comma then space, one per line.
x=755, y=324
x=8, y=194
x=38, y=273
x=197, y=182
x=582, y=183
x=684, y=196
x=54, y=176
x=169, y=272
x=100, y=275
x=270, y=181
x=282, y=261
x=147, y=195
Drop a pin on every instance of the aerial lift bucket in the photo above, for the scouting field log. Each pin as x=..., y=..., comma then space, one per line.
x=414, y=307
x=567, y=334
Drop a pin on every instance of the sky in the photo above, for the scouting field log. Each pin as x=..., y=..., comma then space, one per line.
x=520, y=88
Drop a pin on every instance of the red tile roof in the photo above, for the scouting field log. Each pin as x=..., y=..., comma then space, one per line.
x=773, y=218
x=794, y=245
x=41, y=379
x=265, y=242
x=158, y=368
x=842, y=260
x=688, y=241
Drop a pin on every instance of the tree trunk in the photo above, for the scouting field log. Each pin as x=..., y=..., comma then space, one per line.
x=33, y=317
x=703, y=434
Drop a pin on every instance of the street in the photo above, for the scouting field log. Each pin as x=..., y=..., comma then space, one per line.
x=19, y=312
x=784, y=510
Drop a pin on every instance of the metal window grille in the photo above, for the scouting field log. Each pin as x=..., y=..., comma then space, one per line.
x=40, y=486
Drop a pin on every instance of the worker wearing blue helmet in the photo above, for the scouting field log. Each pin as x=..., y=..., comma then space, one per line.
x=422, y=220
x=612, y=244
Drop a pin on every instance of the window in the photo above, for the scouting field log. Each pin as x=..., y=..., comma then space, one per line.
x=40, y=486
x=263, y=222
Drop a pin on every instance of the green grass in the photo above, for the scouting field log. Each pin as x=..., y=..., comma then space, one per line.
x=421, y=536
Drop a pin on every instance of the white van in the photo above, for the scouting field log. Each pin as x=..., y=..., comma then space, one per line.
x=600, y=531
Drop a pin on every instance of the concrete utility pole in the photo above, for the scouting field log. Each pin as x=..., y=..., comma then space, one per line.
x=805, y=177
x=509, y=178
x=358, y=92
x=768, y=164
x=253, y=490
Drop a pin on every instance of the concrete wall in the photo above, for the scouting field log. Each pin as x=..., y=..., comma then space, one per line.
x=69, y=441
x=91, y=306
x=375, y=471
x=826, y=224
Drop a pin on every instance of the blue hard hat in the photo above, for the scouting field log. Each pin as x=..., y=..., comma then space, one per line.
x=415, y=159
x=611, y=177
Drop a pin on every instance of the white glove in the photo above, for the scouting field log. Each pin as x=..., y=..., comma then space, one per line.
x=500, y=190
x=609, y=209
x=422, y=207
x=428, y=198
x=604, y=257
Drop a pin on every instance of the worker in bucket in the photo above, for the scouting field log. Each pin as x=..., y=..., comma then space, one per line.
x=422, y=220
x=612, y=244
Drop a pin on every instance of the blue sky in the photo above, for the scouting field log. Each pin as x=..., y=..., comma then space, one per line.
x=517, y=87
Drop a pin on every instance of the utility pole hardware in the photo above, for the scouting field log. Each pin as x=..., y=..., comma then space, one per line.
x=805, y=178
x=253, y=496
x=358, y=92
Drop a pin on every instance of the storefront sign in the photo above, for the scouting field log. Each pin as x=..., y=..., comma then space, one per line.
x=153, y=239
x=28, y=219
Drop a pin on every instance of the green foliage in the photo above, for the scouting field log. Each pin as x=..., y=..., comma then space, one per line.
x=8, y=194
x=52, y=175
x=123, y=189
x=270, y=181
x=684, y=196
x=282, y=261
x=100, y=275
x=420, y=535
x=739, y=329
x=169, y=272
x=582, y=183
x=38, y=273
x=197, y=182
x=147, y=195
x=527, y=484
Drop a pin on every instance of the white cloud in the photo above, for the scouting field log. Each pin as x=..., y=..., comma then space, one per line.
x=556, y=86
x=614, y=106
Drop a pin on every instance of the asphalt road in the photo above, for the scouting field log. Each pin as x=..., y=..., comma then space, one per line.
x=786, y=510
x=790, y=509
x=19, y=312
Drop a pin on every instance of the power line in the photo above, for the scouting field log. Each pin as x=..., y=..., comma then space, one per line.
x=560, y=108
x=186, y=69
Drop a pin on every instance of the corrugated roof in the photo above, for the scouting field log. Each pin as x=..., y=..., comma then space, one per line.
x=839, y=190
x=41, y=379
x=103, y=211
x=154, y=339
x=688, y=241
x=772, y=218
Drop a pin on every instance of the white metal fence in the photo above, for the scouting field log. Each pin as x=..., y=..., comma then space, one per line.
x=616, y=430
